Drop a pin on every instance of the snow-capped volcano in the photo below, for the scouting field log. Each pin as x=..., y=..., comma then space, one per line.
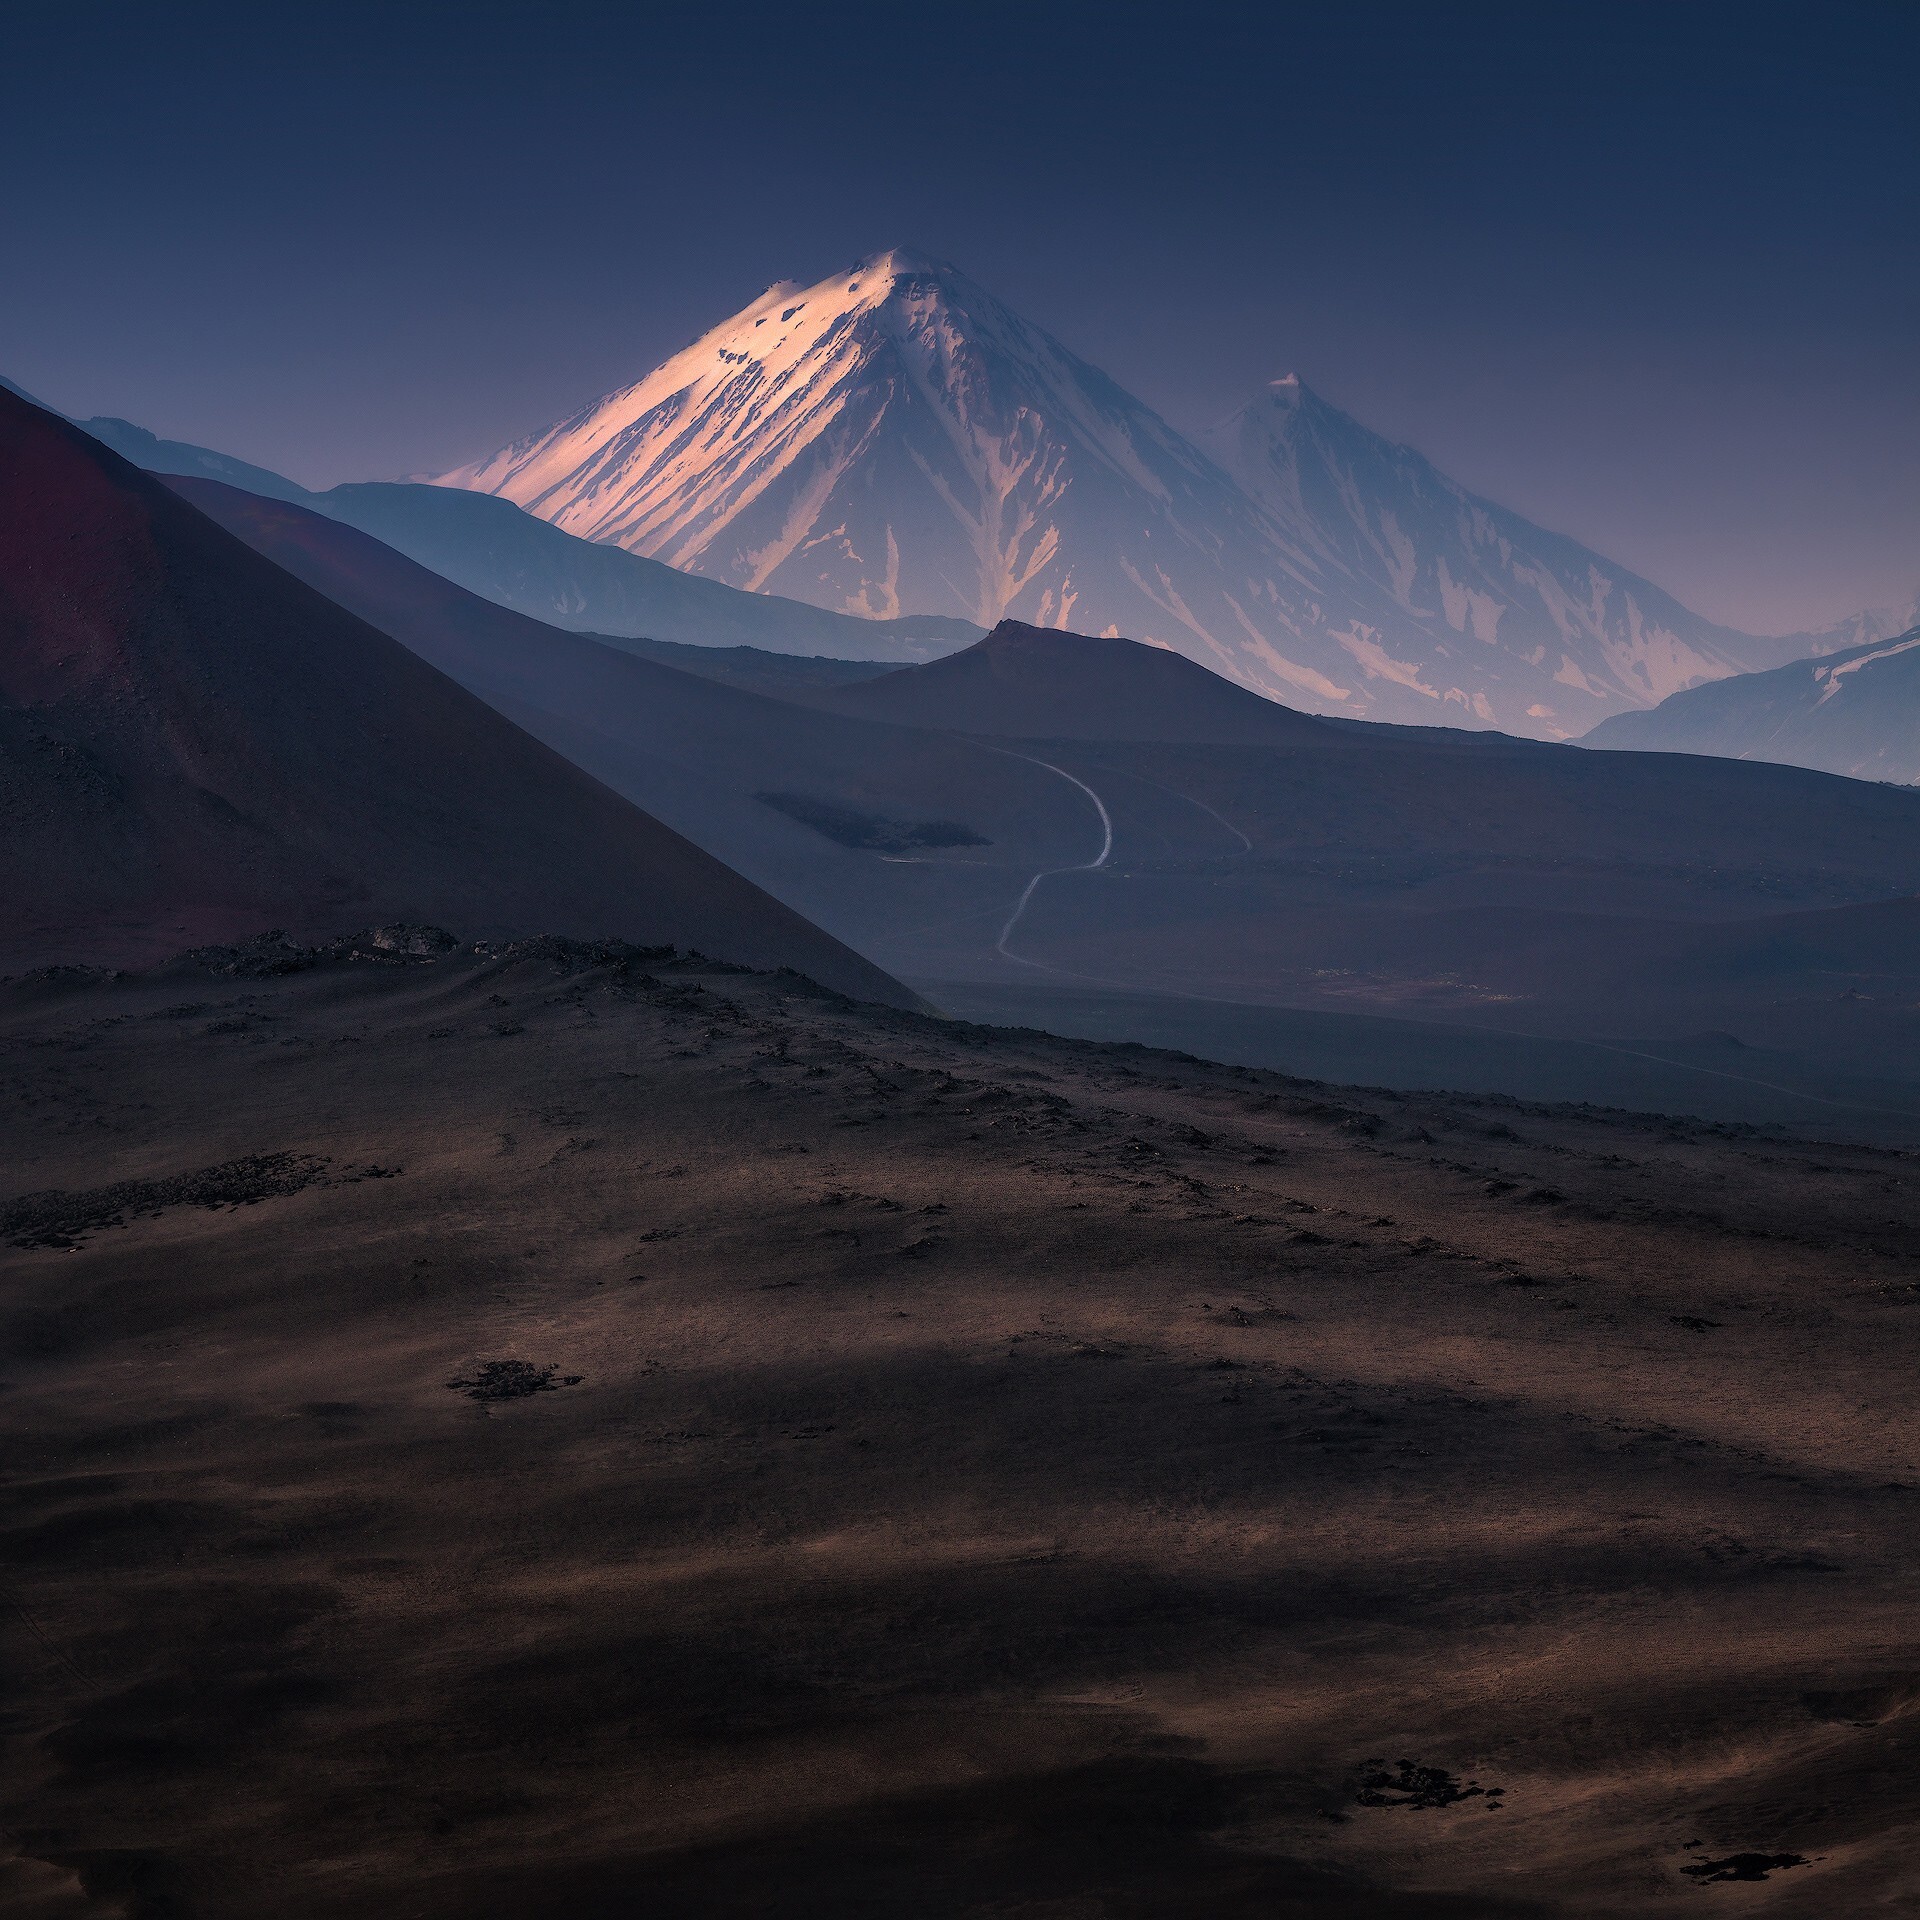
x=896, y=440
x=1533, y=615
x=896, y=437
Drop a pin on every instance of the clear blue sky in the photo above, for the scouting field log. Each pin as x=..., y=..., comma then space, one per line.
x=1649, y=273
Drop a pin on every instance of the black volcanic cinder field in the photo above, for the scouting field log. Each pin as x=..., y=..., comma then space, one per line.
x=559, y=1432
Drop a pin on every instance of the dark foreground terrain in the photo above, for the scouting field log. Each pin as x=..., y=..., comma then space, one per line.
x=524, y=1435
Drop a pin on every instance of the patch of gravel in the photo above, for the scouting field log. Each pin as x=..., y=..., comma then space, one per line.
x=62, y=1219
x=1742, y=1868
x=512, y=1380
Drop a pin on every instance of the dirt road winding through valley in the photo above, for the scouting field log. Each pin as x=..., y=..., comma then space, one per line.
x=1084, y=866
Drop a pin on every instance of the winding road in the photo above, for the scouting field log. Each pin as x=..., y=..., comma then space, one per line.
x=1106, y=853
x=1085, y=866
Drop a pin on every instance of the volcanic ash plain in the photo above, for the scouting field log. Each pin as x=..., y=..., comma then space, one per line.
x=577, y=1431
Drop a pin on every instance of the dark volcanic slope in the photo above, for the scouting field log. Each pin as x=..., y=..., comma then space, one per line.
x=196, y=744
x=979, y=1475
x=784, y=675
x=699, y=753
x=1039, y=684
x=1856, y=712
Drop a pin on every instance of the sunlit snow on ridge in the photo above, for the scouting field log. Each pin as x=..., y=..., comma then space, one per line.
x=895, y=440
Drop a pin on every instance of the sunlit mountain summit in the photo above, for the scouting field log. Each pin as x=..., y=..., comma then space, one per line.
x=895, y=440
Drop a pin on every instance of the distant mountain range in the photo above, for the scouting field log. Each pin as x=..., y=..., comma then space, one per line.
x=879, y=467
x=1855, y=712
x=493, y=549
x=896, y=440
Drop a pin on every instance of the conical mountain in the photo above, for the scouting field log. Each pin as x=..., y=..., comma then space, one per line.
x=897, y=440
x=896, y=437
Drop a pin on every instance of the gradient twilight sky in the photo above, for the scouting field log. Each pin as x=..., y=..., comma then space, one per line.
x=1648, y=273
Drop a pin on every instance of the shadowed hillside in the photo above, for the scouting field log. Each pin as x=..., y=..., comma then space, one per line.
x=197, y=745
x=495, y=550
x=1654, y=902
x=1035, y=683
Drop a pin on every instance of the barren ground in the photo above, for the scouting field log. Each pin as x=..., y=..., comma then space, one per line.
x=979, y=1473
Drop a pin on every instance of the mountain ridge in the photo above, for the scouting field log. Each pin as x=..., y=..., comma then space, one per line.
x=1042, y=683
x=516, y=560
x=1855, y=712
x=895, y=437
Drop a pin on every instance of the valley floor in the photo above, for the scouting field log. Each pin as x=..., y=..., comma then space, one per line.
x=548, y=1433
x=1710, y=1075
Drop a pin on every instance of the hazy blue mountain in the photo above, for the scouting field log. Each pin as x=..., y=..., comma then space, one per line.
x=1854, y=712
x=149, y=451
x=896, y=440
x=491, y=548
x=1476, y=577
x=1857, y=630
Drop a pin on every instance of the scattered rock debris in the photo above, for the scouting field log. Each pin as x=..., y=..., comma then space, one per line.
x=1408, y=1784
x=271, y=955
x=62, y=1220
x=512, y=1380
x=1743, y=1867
